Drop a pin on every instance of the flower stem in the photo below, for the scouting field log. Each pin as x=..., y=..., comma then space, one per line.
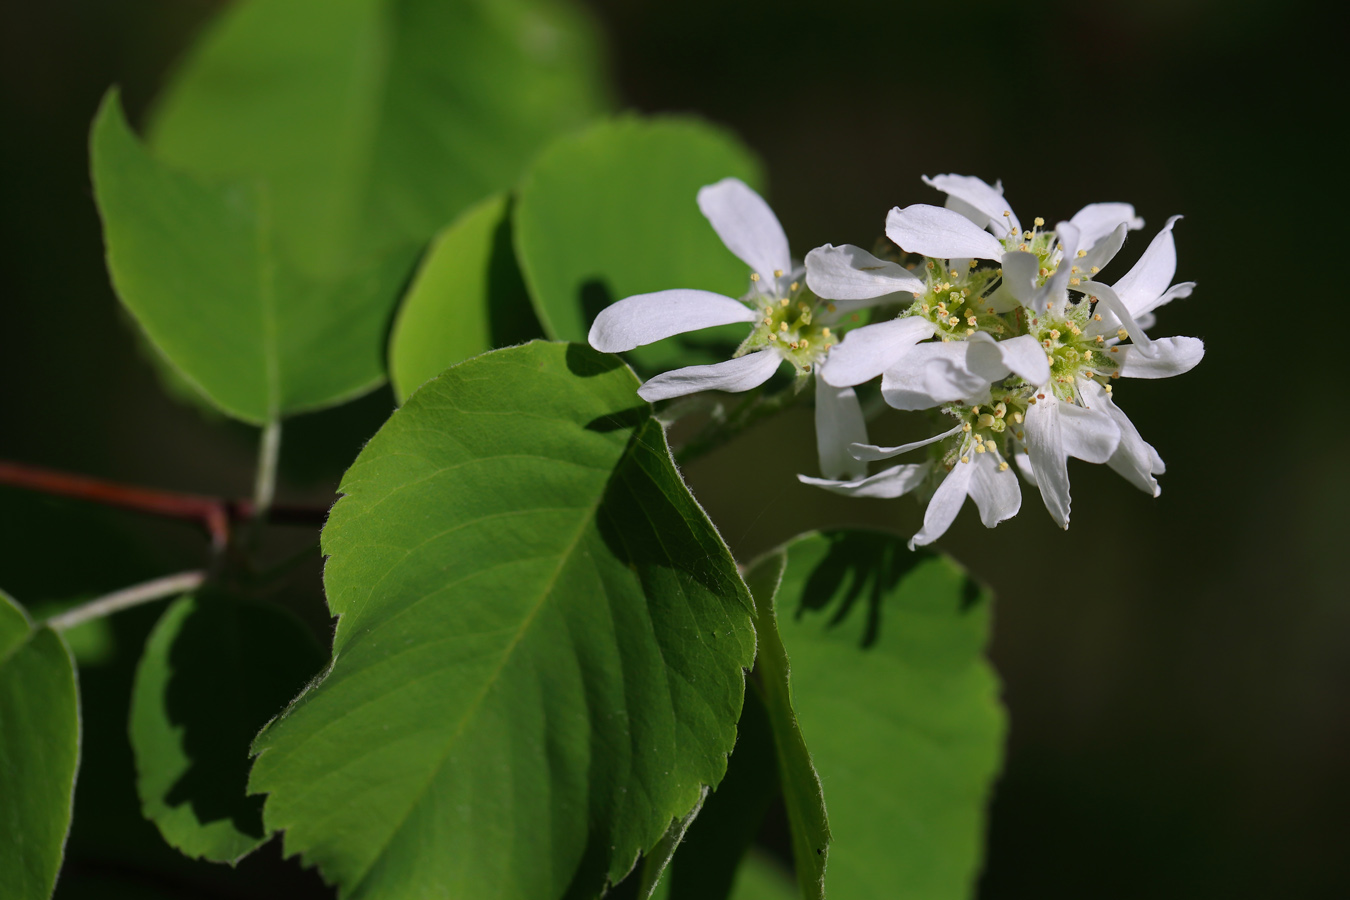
x=265, y=484
x=126, y=598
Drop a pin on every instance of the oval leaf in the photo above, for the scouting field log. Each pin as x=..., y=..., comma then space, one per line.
x=214, y=670
x=39, y=753
x=899, y=708
x=539, y=660
x=467, y=298
x=197, y=264
x=375, y=122
x=613, y=212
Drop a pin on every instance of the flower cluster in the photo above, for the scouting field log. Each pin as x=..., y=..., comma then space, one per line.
x=1008, y=333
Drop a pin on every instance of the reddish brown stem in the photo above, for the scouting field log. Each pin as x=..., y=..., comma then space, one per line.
x=215, y=514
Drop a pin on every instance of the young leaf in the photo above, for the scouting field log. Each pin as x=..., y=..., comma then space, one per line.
x=802, y=796
x=39, y=753
x=197, y=264
x=467, y=298
x=899, y=708
x=375, y=122
x=539, y=660
x=613, y=212
x=214, y=670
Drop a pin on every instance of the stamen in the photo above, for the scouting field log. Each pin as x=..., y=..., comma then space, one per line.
x=754, y=276
x=1038, y=221
x=1082, y=253
x=777, y=273
x=1122, y=333
x=990, y=446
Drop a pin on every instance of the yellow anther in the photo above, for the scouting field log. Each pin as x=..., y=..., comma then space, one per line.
x=768, y=320
x=777, y=273
x=1054, y=333
x=1022, y=247
x=1000, y=410
x=985, y=420
x=1074, y=329
x=1096, y=269
x=1074, y=280
x=805, y=343
x=969, y=332
x=1050, y=360
x=793, y=345
x=825, y=331
x=782, y=326
x=1115, y=374
x=1089, y=374
x=1108, y=388
x=970, y=320
x=1003, y=467
x=1101, y=339
x=965, y=459
x=1073, y=270
x=955, y=274
x=1122, y=333
x=793, y=286
x=1087, y=354
x=966, y=428
x=1038, y=221
x=1096, y=317
x=946, y=340
x=990, y=446
x=975, y=410
x=1082, y=253
x=1027, y=235
x=1007, y=213
x=974, y=263
x=754, y=276
x=953, y=320
x=772, y=336
x=925, y=307
x=1115, y=349
x=979, y=448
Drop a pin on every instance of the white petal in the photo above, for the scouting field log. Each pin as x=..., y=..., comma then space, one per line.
x=932, y=374
x=747, y=225
x=1145, y=283
x=1049, y=462
x=940, y=233
x=1177, y=291
x=1056, y=430
x=1096, y=220
x=971, y=193
x=1019, y=276
x=872, y=452
x=1133, y=459
x=1025, y=357
x=944, y=506
x=839, y=424
x=884, y=485
x=851, y=273
x=1088, y=434
x=1100, y=253
x=1109, y=299
x=741, y=374
x=868, y=351
x=1024, y=466
x=1172, y=356
x=644, y=318
x=1053, y=290
x=995, y=492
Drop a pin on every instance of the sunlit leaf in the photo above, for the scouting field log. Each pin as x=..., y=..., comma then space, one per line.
x=197, y=263
x=467, y=298
x=613, y=212
x=899, y=708
x=376, y=122
x=39, y=753
x=214, y=671
x=538, y=664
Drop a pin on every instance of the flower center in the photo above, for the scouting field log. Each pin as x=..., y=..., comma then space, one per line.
x=1073, y=353
x=789, y=325
x=955, y=302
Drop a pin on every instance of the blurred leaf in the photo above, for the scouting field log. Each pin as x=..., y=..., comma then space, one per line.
x=375, y=122
x=214, y=671
x=899, y=708
x=538, y=661
x=467, y=298
x=197, y=264
x=800, y=782
x=39, y=753
x=91, y=643
x=761, y=878
x=613, y=212
x=714, y=848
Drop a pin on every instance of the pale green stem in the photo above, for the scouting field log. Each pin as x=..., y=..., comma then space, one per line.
x=265, y=487
x=126, y=598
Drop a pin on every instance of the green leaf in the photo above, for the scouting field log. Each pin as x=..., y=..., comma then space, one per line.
x=39, y=753
x=713, y=851
x=538, y=664
x=899, y=708
x=802, y=795
x=375, y=122
x=613, y=212
x=467, y=298
x=197, y=264
x=214, y=670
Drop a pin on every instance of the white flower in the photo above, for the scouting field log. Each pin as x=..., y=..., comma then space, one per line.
x=1075, y=413
x=971, y=467
x=789, y=324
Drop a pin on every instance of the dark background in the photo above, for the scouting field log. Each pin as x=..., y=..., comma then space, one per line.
x=1176, y=669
